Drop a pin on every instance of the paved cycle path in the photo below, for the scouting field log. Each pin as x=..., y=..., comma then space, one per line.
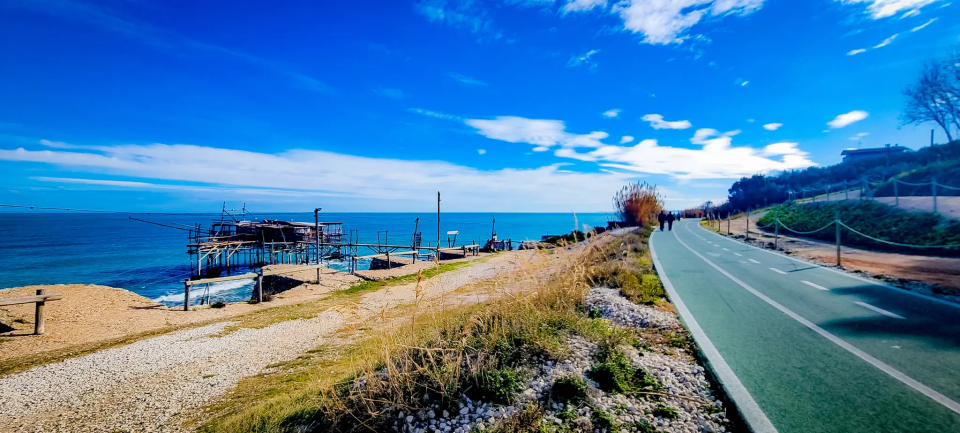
x=803, y=348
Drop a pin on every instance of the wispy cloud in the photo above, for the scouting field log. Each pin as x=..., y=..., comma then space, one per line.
x=467, y=80
x=657, y=122
x=856, y=51
x=859, y=136
x=469, y=15
x=886, y=41
x=612, y=113
x=583, y=5
x=878, y=9
x=715, y=159
x=434, y=114
x=847, y=118
x=309, y=172
x=667, y=22
x=772, y=126
x=583, y=59
x=921, y=26
x=160, y=39
x=626, y=139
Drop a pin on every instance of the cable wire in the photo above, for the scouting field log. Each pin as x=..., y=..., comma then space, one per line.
x=805, y=233
x=897, y=243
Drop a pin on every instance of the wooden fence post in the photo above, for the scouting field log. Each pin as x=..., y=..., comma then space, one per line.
x=186, y=295
x=933, y=184
x=896, y=194
x=846, y=190
x=746, y=235
x=776, y=230
x=260, y=286
x=41, y=316
x=837, y=223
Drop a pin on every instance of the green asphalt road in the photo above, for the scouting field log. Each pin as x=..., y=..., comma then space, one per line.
x=803, y=348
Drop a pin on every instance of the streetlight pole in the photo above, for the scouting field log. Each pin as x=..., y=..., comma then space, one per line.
x=316, y=231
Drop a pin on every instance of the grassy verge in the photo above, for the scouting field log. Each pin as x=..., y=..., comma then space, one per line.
x=483, y=351
x=365, y=286
x=872, y=218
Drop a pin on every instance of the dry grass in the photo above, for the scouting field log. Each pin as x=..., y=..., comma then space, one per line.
x=434, y=355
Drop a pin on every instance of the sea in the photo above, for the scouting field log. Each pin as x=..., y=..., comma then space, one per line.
x=147, y=253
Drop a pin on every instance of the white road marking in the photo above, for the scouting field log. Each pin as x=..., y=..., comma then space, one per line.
x=896, y=374
x=878, y=310
x=738, y=254
x=726, y=249
x=756, y=420
x=895, y=347
x=778, y=271
x=815, y=286
x=753, y=261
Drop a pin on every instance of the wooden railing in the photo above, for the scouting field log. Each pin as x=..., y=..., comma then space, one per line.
x=40, y=299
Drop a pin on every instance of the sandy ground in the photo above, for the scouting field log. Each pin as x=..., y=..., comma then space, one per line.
x=90, y=314
x=942, y=271
x=156, y=383
x=946, y=206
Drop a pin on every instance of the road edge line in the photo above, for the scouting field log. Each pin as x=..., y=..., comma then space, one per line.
x=839, y=272
x=844, y=344
x=747, y=407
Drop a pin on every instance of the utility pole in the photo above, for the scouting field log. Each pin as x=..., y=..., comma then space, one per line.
x=316, y=230
x=931, y=137
x=438, y=227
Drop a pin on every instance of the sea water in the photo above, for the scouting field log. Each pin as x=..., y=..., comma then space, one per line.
x=150, y=258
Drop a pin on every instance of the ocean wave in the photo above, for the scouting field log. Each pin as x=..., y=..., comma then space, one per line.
x=197, y=291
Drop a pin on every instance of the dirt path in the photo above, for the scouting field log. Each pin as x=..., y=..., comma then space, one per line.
x=155, y=383
x=948, y=206
x=942, y=271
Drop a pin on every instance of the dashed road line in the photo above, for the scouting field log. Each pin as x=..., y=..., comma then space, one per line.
x=738, y=254
x=778, y=271
x=815, y=286
x=753, y=261
x=726, y=249
x=878, y=310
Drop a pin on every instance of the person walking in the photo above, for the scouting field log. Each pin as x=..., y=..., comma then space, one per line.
x=670, y=219
x=662, y=218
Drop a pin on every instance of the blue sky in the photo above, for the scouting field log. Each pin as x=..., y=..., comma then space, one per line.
x=510, y=105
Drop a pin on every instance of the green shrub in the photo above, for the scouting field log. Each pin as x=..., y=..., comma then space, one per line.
x=665, y=412
x=643, y=426
x=603, y=421
x=569, y=390
x=218, y=304
x=614, y=373
x=494, y=386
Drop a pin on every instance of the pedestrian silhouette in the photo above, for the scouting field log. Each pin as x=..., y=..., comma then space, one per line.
x=662, y=217
x=670, y=219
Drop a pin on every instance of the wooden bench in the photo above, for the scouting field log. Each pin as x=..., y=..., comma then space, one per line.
x=41, y=299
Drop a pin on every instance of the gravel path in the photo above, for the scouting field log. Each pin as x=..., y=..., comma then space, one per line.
x=152, y=385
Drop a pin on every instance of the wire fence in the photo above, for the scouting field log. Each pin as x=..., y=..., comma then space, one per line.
x=840, y=228
x=866, y=190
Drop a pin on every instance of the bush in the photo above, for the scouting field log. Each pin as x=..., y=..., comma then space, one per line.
x=665, y=412
x=569, y=390
x=494, y=386
x=604, y=421
x=637, y=204
x=218, y=304
x=614, y=373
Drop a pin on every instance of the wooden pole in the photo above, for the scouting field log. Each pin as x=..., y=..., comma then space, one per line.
x=316, y=229
x=776, y=230
x=186, y=295
x=846, y=190
x=934, y=185
x=746, y=236
x=437, y=258
x=41, y=316
x=260, y=286
x=837, y=222
x=896, y=194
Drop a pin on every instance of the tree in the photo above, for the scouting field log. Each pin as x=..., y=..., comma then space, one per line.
x=933, y=98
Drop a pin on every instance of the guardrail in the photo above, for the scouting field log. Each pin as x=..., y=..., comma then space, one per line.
x=40, y=299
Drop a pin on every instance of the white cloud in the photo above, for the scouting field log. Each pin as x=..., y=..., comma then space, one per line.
x=910, y=13
x=612, y=113
x=657, y=122
x=886, y=41
x=751, y=120
x=467, y=80
x=667, y=21
x=626, y=139
x=715, y=159
x=583, y=59
x=886, y=8
x=856, y=51
x=482, y=151
x=390, y=92
x=468, y=15
x=300, y=172
x=772, y=126
x=744, y=83
x=859, y=136
x=847, y=118
x=435, y=114
x=583, y=5
x=921, y=26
